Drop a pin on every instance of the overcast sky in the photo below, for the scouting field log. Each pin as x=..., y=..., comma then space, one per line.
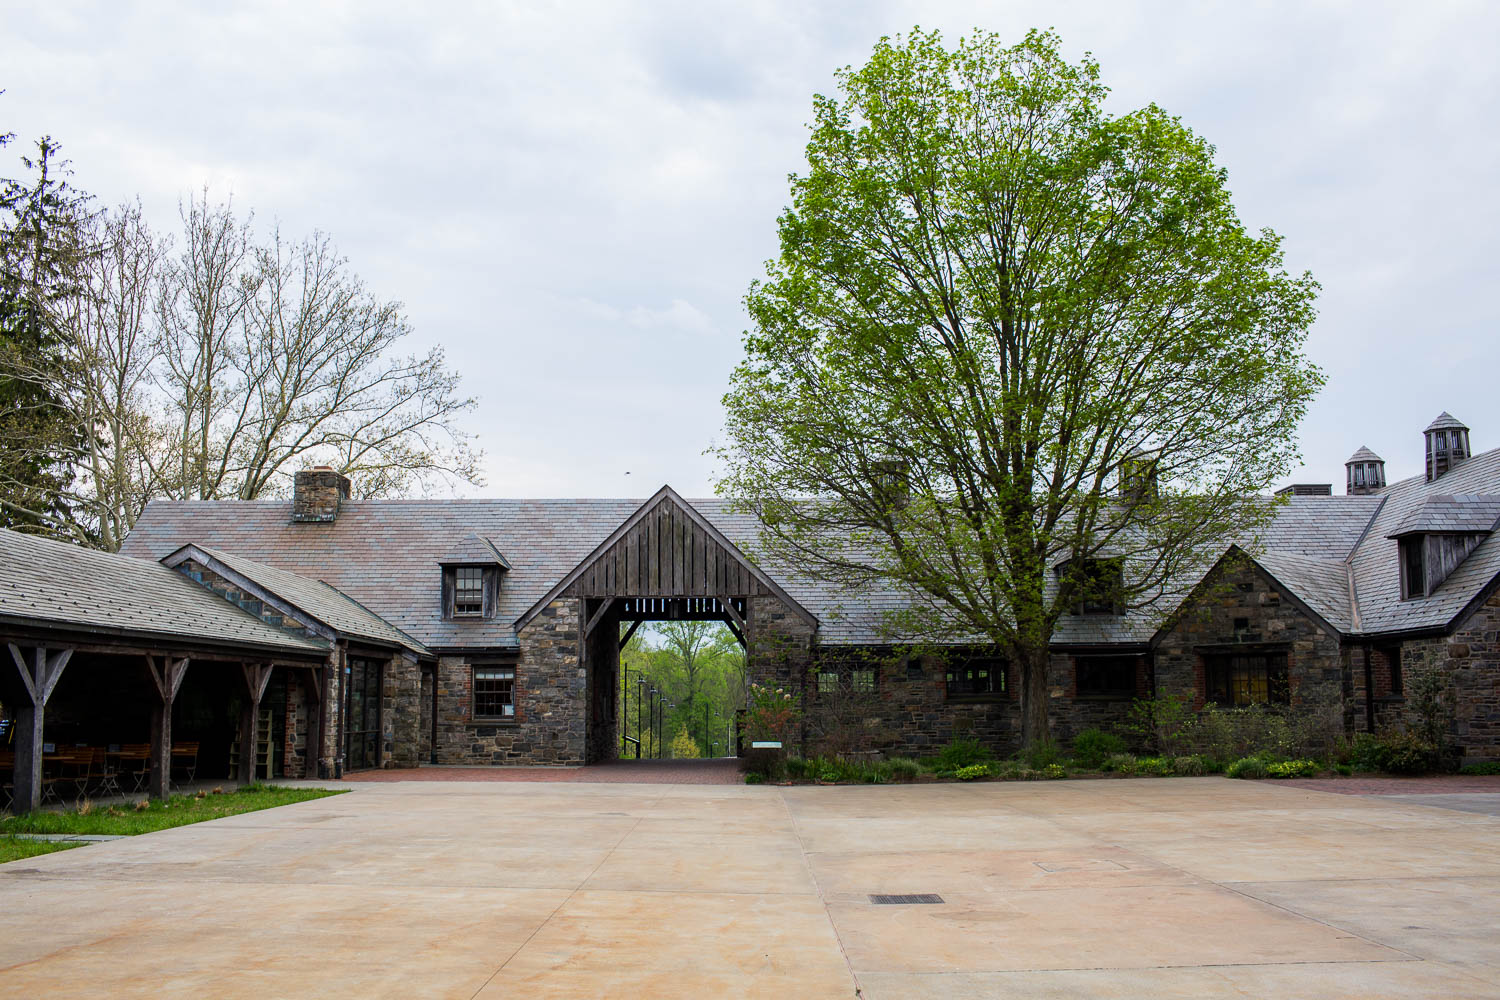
x=573, y=198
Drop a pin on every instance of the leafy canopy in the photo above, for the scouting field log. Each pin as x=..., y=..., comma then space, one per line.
x=995, y=304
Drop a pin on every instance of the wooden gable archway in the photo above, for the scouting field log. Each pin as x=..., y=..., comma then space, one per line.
x=666, y=562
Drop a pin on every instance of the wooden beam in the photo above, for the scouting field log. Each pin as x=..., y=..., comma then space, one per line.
x=166, y=674
x=738, y=635
x=257, y=676
x=25, y=671
x=598, y=616
x=732, y=612
x=630, y=632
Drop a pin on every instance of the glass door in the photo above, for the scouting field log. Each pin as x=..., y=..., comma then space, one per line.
x=362, y=725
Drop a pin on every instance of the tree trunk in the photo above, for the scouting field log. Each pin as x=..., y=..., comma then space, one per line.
x=1034, y=694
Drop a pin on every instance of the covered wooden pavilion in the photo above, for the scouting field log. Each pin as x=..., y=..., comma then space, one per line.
x=144, y=625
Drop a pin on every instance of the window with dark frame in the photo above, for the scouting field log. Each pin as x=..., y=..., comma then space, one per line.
x=494, y=692
x=1093, y=586
x=828, y=681
x=862, y=680
x=1237, y=680
x=973, y=676
x=468, y=591
x=1106, y=676
x=1413, y=568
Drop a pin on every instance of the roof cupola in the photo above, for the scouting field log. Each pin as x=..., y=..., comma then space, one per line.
x=1447, y=444
x=1364, y=473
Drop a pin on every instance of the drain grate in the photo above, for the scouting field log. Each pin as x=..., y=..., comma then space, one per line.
x=899, y=899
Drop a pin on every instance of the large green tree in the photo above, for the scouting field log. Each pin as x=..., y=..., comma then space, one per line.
x=41, y=253
x=1011, y=340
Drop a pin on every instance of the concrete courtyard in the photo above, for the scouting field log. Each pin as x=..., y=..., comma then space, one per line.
x=1145, y=888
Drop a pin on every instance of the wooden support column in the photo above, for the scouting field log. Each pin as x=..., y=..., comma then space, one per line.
x=257, y=676
x=40, y=669
x=166, y=674
x=312, y=705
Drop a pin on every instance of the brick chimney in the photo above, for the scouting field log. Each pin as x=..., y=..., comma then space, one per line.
x=317, y=493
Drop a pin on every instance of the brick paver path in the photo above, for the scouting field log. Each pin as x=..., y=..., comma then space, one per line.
x=716, y=771
x=1437, y=784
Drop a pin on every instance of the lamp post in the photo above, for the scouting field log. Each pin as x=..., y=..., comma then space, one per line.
x=651, y=710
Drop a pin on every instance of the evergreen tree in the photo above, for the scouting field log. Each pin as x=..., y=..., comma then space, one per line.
x=40, y=250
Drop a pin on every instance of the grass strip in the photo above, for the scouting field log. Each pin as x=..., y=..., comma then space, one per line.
x=146, y=816
x=12, y=849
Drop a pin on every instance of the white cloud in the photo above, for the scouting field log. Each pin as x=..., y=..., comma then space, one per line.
x=574, y=198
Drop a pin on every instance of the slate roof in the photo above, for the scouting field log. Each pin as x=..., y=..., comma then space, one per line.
x=1377, y=574
x=475, y=551
x=1443, y=421
x=1452, y=514
x=319, y=601
x=1363, y=455
x=386, y=554
x=73, y=588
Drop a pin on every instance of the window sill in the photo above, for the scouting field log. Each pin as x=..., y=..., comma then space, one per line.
x=978, y=699
x=498, y=721
x=1121, y=696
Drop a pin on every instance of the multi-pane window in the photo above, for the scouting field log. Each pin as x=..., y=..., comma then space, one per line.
x=1107, y=676
x=494, y=692
x=1240, y=679
x=468, y=590
x=976, y=675
x=828, y=681
x=862, y=680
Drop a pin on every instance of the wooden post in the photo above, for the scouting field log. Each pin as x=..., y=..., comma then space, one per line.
x=257, y=676
x=166, y=675
x=39, y=672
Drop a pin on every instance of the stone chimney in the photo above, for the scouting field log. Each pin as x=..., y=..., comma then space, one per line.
x=1364, y=473
x=317, y=493
x=1447, y=444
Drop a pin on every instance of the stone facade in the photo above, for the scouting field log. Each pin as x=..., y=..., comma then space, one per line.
x=401, y=714
x=1469, y=662
x=549, y=696
x=1240, y=608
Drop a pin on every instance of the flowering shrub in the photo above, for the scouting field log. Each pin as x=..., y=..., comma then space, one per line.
x=972, y=772
x=774, y=713
x=1293, y=769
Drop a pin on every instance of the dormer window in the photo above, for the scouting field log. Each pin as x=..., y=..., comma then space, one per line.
x=1413, y=567
x=471, y=579
x=469, y=591
x=1092, y=586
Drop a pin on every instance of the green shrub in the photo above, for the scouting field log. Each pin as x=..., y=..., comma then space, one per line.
x=1160, y=722
x=1343, y=769
x=1092, y=747
x=1483, y=767
x=963, y=753
x=1395, y=751
x=796, y=768
x=754, y=777
x=972, y=772
x=1189, y=766
x=1054, y=771
x=1120, y=763
x=1156, y=766
x=904, y=769
x=1042, y=755
x=1293, y=769
x=1247, y=767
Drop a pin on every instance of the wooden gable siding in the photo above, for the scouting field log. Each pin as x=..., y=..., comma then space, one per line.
x=666, y=554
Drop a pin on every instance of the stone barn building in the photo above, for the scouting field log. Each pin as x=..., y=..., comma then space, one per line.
x=487, y=631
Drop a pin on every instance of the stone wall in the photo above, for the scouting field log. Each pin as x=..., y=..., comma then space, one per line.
x=317, y=494
x=1315, y=667
x=778, y=648
x=401, y=713
x=1469, y=660
x=549, y=696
